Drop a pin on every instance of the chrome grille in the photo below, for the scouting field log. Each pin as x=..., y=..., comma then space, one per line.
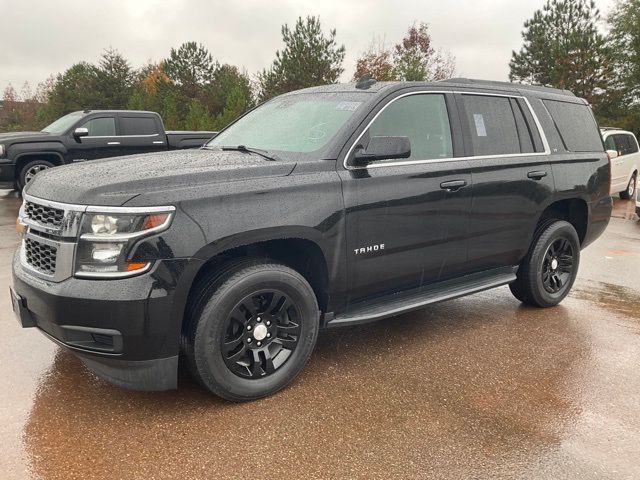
x=44, y=215
x=40, y=256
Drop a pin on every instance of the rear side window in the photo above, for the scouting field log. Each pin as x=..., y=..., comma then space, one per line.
x=576, y=126
x=138, y=126
x=493, y=125
x=625, y=144
x=421, y=117
x=101, y=127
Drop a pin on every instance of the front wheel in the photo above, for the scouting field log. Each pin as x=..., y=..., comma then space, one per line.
x=29, y=170
x=547, y=273
x=252, y=330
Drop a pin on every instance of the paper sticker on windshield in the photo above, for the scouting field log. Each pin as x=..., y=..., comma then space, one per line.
x=348, y=106
x=481, y=130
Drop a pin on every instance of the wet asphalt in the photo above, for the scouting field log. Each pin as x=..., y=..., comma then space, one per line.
x=479, y=387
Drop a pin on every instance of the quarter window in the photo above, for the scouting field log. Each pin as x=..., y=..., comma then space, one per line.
x=101, y=127
x=423, y=118
x=138, y=126
x=493, y=125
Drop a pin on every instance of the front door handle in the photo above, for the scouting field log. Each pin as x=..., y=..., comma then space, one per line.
x=537, y=174
x=113, y=143
x=453, y=185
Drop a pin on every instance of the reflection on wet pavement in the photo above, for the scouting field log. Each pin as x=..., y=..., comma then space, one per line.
x=479, y=387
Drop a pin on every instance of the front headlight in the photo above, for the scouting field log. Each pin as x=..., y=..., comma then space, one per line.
x=107, y=239
x=2, y=150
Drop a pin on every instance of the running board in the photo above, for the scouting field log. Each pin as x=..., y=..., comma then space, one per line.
x=406, y=301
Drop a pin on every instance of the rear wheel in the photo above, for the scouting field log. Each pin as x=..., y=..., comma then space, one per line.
x=631, y=189
x=30, y=169
x=547, y=273
x=252, y=331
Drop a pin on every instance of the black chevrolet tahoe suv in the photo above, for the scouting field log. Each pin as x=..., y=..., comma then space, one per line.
x=87, y=135
x=329, y=206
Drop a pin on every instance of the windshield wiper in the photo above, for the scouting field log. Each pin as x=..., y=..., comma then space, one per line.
x=242, y=148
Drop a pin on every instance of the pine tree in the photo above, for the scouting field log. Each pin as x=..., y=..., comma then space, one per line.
x=308, y=58
x=563, y=48
x=114, y=80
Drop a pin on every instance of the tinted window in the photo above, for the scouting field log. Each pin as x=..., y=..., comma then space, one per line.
x=492, y=124
x=422, y=118
x=625, y=144
x=524, y=132
x=138, y=126
x=101, y=127
x=576, y=126
x=622, y=144
x=610, y=143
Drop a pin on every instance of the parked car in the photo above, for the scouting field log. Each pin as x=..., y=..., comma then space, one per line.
x=622, y=147
x=324, y=207
x=87, y=135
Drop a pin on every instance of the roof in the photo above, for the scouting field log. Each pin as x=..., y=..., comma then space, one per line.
x=462, y=83
x=115, y=111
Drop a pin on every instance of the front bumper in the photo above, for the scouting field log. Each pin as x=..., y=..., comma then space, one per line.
x=7, y=173
x=126, y=331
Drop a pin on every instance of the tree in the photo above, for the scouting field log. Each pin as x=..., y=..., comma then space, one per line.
x=198, y=117
x=75, y=89
x=563, y=48
x=621, y=105
x=190, y=66
x=236, y=105
x=416, y=60
x=377, y=62
x=308, y=58
x=114, y=80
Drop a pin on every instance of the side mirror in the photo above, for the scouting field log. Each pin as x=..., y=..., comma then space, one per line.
x=384, y=148
x=80, y=132
x=613, y=154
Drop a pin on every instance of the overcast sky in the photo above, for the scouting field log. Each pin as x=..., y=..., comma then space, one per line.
x=42, y=37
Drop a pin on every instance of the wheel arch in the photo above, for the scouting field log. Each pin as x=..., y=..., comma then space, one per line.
x=298, y=252
x=50, y=156
x=573, y=210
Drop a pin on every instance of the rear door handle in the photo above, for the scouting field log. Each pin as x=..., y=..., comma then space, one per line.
x=113, y=143
x=537, y=175
x=453, y=185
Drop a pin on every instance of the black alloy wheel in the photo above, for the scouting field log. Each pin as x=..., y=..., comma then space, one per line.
x=250, y=328
x=547, y=272
x=261, y=333
x=557, y=266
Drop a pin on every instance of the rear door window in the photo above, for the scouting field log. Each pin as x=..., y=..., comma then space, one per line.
x=423, y=118
x=622, y=144
x=101, y=127
x=576, y=125
x=633, y=144
x=492, y=124
x=138, y=126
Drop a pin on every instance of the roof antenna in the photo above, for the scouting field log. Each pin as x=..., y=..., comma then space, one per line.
x=365, y=82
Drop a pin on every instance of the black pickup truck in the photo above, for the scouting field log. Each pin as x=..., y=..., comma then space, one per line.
x=324, y=207
x=87, y=135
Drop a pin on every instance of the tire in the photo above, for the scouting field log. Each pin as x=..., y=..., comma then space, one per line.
x=29, y=169
x=244, y=300
x=631, y=189
x=541, y=282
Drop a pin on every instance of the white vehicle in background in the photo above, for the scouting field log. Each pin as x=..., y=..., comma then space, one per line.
x=622, y=147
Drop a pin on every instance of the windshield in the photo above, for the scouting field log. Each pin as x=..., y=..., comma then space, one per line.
x=63, y=123
x=294, y=123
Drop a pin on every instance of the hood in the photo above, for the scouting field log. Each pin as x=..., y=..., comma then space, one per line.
x=114, y=181
x=20, y=135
